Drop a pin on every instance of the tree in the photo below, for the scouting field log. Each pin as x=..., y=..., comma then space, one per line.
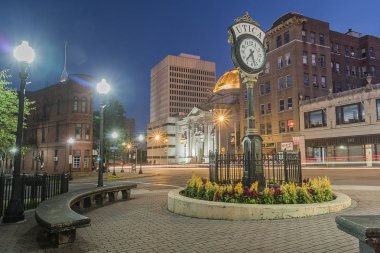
x=114, y=120
x=8, y=112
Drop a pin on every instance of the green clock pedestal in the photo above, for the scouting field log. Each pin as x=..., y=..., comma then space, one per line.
x=253, y=162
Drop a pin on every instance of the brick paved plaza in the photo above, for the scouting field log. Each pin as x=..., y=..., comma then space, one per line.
x=143, y=224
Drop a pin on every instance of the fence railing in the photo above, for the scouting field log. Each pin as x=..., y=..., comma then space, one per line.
x=277, y=168
x=34, y=189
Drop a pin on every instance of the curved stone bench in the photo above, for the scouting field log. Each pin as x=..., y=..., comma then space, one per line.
x=60, y=220
x=230, y=211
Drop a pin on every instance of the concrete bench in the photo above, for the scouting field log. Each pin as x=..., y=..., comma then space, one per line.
x=57, y=216
x=366, y=228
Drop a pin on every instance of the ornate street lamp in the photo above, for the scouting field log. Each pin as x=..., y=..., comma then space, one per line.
x=114, y=136
x=220, y=120
x=140, y=139
x=70, y=141
x=24, y=54
x=102, y=88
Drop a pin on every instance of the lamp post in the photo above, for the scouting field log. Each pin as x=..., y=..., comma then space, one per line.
x=140, y=139
x=122, y=160
x=102, y=88
x=70, y=141
x=114, y=136
x=24, y=54
x=220, y=120
x=157, y=138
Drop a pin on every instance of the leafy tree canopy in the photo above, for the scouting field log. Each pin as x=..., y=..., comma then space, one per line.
x=9, y=112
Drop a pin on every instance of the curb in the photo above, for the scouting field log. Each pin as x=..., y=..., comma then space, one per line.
x=229, y=211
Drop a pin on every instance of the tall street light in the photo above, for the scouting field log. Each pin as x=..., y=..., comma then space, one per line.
x=114, y=136
x=220, y=120
x=102, y=88
x=140, y=139
x=70, y=141
x=24, y=54
x=157, y=138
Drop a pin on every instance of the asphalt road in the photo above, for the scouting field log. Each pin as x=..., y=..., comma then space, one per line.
x=165, y=178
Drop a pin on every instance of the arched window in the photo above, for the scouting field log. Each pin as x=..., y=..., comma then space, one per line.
x=84, y=104
x=75, y=107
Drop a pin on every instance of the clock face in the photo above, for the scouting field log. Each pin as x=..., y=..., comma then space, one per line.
x=251, y=54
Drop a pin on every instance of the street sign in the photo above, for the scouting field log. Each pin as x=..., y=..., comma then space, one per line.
x=114, y=148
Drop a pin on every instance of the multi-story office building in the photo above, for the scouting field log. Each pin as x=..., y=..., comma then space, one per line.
x=305, y=60
x=178, y=83
x=62, y=111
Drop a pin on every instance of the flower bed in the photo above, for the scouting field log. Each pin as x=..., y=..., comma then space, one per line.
x=311, y=191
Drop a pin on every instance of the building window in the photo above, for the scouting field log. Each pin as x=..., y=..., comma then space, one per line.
x=269, y=108
x=336, y=48
x=43, y=135
x=347, y=70
x=75, y=105
x=289, y=81
x=280, y=83
x=363, y=53
x=306, y=79
x=267, y=68
x=322, y=60
x=282, y=105
x=282, y=125
x=57, y=133
x=364, y=71
x=262, y=109
x=353, y=71
x=321, y=39
x=267, y=88
x=290, y=103
x=269, y=128
x=262, y=91
x=58, y=106
x=346, y=51
x=313, y=59
x=86, y=160
x=337, y=67
x=373, y=71
x=314, y=80
x=76, y=160
x=290, y=125
x=312, y=37
x=304, y=57
x=372, y=53
x=78, y=131
x=280, y=63
x=279, y=41
x=303, y=33
x=348, y=114
x=378, y=108
x=286, y=37
x=315, y=119
x=262, y=129
x=323, y=81
x=84, y=104
x=287, y=59
x=87, y=132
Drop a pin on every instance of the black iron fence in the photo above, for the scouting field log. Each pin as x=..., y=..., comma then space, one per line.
x=34, y=189
x=277, y=168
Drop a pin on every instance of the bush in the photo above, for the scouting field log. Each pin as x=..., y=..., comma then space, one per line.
x=311, y=191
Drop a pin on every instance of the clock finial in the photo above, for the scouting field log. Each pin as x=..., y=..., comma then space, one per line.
x=246, y=18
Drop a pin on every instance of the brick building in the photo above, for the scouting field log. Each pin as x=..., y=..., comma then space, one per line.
x=63, y=111
x=305, y=60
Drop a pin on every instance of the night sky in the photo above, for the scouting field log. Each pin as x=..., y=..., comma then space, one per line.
x=122, y=40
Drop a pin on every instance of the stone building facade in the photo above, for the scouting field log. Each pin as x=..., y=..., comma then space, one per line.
x=342, y=128
x=62, y=111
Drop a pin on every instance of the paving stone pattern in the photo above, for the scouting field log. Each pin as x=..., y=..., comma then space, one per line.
x=143, y=224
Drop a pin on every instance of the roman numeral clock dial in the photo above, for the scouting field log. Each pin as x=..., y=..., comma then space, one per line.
x=250, y=54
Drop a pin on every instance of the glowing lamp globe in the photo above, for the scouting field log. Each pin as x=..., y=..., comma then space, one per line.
x=70, y=141
x=141, y=138
x=24, y=53
x=103, y=87
x=114, y=135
